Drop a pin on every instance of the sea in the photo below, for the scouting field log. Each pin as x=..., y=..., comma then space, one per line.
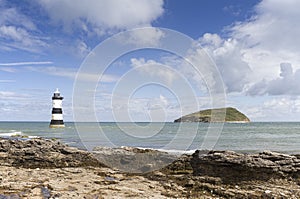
x=171, y=137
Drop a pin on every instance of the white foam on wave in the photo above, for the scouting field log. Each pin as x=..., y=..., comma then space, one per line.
x=33, y=136
x=171, y=151
x=13, y=133
x=174, y=151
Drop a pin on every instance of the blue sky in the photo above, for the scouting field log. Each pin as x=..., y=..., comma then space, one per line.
x=254, y=45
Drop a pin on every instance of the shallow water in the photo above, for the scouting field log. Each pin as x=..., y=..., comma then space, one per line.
x=173, y=137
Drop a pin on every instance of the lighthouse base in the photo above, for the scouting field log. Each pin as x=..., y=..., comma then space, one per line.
x=57, y=124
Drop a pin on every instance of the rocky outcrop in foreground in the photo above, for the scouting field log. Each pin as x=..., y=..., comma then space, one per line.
x=227, y=174
x=133, y=160
x=40, y=168
x=41, y=153
x=234, y=167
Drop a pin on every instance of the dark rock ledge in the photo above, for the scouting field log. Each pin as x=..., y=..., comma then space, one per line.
x=42, y=167
x=234, y=167
x=228, y=165
x=43, y=153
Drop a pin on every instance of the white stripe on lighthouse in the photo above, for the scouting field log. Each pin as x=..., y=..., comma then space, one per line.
x=57, y=117
x=57, y=103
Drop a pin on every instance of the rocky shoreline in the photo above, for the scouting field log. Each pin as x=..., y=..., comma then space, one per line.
x=39, y=168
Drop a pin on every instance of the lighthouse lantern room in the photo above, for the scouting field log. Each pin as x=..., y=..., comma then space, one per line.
x=57, y=114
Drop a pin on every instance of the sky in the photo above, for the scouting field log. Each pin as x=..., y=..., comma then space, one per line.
x=254, y=46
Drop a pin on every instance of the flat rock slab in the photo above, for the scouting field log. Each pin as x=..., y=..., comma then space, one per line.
x=43, y=153
x=133, y=160
x=234, y=167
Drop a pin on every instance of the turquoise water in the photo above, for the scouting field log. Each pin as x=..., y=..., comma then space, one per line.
x=181, y=137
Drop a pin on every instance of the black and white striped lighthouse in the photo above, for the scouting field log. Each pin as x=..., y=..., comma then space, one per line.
x=57, y=114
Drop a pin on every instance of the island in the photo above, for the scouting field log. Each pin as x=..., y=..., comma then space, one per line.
x=228, y=114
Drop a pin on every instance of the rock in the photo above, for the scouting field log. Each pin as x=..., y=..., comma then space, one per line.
x=133, y=160
x=127, y=159
x=146, y=168
x=190, y=183
x=179, y=166
x=42, y=153
x=13, y=196
x=214, y=174
x=268, y=191
x=46, y=193
x=234, y=167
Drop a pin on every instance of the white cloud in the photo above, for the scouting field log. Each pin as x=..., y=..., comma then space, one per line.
x=157, y=103
x=15, y=18
x=281, y=109
x=137, y=109
x=83, y=48
x=20, y=31
x=17, y=31
x=72, y=74
x=25, y=63
x=31, y=105
x=253, y=49
x=154, y=69
x=267, y=108
x=102, y=15
x=248, y=57
x=271, y=28
x=286, y=84
x=8, y=95
x=155, y=109
x=171, y=74
x=177, y=73
x=164, y=100
x=270, y=37
x=8, y=69
x=14, y=37
x=233, y=10
x=227, y=54
x=13, y=32
x=144, y=37
x=6, y=81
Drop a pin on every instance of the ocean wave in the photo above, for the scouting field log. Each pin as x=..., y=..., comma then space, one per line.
x=175, y=151
x=13, y=133
x=170, y=151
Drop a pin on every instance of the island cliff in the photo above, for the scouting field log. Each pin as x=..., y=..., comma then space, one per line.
x=228, y=114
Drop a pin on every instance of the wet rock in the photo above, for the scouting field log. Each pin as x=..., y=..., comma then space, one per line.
x=235, y=167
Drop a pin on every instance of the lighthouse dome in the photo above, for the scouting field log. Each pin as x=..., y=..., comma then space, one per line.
x=56, y=95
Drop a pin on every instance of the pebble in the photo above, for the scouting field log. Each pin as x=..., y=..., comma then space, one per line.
x=268, y=191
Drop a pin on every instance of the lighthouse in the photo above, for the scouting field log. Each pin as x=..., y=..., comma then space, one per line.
x=57, y=114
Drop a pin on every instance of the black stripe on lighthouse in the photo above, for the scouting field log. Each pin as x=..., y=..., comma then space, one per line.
x=56, y=111
x=57, y=122
x=55, y=96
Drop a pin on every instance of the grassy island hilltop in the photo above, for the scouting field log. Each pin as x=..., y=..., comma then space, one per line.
x=231, y=115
